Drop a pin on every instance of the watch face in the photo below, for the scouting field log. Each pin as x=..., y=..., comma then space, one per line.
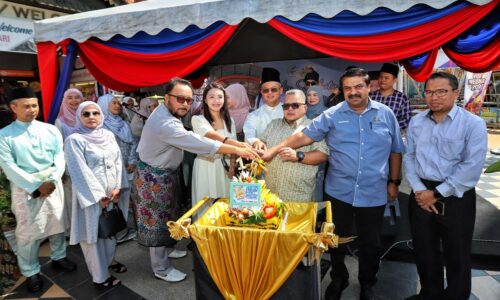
x=300, y=155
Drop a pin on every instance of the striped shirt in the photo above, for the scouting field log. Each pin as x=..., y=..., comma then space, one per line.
x=398, y=103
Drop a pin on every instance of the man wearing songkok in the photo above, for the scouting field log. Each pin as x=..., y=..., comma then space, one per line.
x=444, y=160
x=257, y=121
x=397, y=101
x=32, y=157
x=292, y=175
x=160, y=150
x=364, y=168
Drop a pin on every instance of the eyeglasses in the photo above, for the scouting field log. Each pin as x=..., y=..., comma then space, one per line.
x=438, y=93
x=311, y=82
x=181, y=100
x=292, y=105
x=87, y=114
x=271, y=90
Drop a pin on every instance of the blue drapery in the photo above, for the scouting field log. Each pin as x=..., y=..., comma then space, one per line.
x=165, y=41
x=63, y=82
x=479, y=35
x=381, y=20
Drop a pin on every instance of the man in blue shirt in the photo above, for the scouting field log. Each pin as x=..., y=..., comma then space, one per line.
x=364, y=169
x=446, y=150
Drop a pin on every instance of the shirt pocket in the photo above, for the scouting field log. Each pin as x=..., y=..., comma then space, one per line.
x=450, y=149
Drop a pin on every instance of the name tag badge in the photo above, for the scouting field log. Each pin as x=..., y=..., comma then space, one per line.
x=342, y=122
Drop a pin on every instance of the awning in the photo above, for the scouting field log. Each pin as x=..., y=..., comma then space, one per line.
x=154, y=16
x=148, y=43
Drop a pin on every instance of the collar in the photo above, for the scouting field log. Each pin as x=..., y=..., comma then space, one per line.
x=295, y=124
x=451, y=114
x=371, y=105
x=267, y=107
x=24, y=124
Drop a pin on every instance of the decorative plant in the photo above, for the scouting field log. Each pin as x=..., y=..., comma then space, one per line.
x=7, y=220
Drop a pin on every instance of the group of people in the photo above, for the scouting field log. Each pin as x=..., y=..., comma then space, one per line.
x=357, y=142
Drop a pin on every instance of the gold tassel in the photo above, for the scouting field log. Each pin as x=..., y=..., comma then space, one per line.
x=179, y=230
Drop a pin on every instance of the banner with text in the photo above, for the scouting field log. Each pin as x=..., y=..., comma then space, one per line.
x=476, y=86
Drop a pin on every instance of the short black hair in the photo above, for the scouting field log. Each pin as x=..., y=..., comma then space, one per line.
x=355, y=72
x=452, y=79
x=175, y=81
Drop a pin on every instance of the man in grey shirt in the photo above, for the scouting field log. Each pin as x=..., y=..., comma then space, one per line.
x=160, y=152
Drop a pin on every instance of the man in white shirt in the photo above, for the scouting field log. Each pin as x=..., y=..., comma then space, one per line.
x=257, y=121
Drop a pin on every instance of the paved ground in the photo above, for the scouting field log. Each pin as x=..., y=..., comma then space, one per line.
x=396, y=280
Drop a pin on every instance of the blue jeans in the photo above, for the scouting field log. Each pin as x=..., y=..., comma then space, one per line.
x=27, y=253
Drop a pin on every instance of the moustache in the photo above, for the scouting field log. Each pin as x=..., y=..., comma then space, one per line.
x=354, y=95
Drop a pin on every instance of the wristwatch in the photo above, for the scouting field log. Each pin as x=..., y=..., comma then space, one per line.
x=300, y=156
x=397, y=182
x=437, y=194
x=36, y=193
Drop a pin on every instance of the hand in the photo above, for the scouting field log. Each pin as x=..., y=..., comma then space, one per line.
x=104, y=202
x=288, y=154
x=246, y=153
x=244, y=145
x=425, y=199
x=46, y=189
x=115, y=195
x=259, y=145
x=268, y=155
x=392, y=191
x=130, y=168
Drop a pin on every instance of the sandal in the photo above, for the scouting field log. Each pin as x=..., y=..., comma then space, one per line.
x=111, y=282
x=118, y=267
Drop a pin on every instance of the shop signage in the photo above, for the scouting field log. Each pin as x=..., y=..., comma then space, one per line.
x=19, y=11
x=14, y=32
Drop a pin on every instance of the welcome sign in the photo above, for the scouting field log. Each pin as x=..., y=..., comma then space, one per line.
x=15, y=32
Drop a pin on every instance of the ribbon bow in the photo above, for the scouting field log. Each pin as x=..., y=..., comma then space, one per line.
x=325, y=239
x=179, y=230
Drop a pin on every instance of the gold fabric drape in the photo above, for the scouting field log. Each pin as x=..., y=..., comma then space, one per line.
x=247, y=263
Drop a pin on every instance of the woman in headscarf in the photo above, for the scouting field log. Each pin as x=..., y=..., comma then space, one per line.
x=239, y=106
x=145, y=109
x=96, y=168
x=130, y=104
x=315, y=105
x=66, y=122
x=113, y=121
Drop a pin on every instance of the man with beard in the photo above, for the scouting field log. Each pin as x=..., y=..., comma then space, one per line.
x=364, y=169
x=160, y=150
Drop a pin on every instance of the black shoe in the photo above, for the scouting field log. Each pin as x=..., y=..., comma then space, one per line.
x=64, y=264
x=34, y=283
x=366, y=293
x=335, y=288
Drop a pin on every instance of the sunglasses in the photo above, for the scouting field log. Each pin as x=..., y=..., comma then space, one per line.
x=181, y=100
x=271, y=90
x=292, y=105
x=87, y=114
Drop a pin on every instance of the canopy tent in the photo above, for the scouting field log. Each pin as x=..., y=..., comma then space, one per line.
x=149, y=42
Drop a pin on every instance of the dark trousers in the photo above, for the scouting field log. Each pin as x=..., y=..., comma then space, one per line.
x=368, y=222
x=453, y=231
